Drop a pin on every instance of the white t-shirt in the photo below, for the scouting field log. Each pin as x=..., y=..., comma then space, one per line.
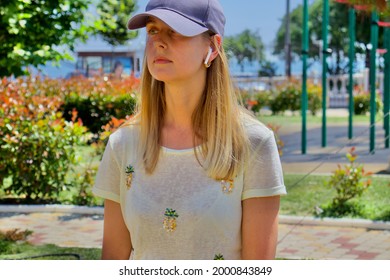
x=178, y=212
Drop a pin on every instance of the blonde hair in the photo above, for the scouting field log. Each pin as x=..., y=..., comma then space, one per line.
x=224, y=144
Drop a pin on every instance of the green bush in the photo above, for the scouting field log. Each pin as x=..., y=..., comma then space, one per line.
x=84, y=184
x=85, y=178
x=42, y=152
x=37, y=144
x=288, y=98
x=314, y=101
x=11, y=237
x=349, y=183
x=96, y=109
x=262, y=99
x=97, y=100
x=255, y=100
x=362, y=104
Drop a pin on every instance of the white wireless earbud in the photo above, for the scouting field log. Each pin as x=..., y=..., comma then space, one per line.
x=206, y=61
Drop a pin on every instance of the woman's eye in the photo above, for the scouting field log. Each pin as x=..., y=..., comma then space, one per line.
x=152, y=31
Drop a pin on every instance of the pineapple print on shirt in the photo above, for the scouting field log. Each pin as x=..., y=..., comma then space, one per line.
x=227, y=186
x=129, y=177
x=169, y=222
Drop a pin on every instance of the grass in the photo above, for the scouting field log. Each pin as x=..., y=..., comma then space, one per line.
x=303, y=197
x=24, y=250
x=297, y=119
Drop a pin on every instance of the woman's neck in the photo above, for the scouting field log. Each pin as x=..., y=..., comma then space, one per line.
x=181, y=101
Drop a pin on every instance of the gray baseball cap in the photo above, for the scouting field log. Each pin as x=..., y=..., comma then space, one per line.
x=187, y=17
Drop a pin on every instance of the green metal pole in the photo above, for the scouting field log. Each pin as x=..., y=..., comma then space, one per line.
x=374, y=44
x=351, y=55
x=325, y=21
x=305, y=50
x=386, y=88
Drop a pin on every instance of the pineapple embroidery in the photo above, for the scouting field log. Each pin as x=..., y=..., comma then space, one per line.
x=169, y=223
x=129, y=172
x=218, y=257
x=227, y=186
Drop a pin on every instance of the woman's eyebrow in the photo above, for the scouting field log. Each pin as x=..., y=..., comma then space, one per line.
x=150, y=20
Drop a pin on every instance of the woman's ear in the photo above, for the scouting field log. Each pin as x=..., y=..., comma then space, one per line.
x=216, y=43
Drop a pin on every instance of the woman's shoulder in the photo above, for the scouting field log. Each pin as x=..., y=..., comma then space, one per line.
x=126, y=134
x=255, y=130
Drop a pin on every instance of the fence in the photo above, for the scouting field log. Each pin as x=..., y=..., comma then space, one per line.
x=337, y=86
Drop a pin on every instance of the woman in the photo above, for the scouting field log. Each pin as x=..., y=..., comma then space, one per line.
x=192, y=175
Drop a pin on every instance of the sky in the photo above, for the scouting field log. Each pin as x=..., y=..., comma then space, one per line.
x=263, y=16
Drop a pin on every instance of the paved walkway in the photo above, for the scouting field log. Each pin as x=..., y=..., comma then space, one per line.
x=295, y=242
x=320, y=159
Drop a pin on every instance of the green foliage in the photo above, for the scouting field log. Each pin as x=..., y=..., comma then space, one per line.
x=15, y=235
x=338, y=33
x=296, y=16
x=39, y=161
x=362, y=103
x=112, y=22
x=84, y=183
x=30, y=32
x=309, y=193
x=349, y=182
x=42, y=155
x=22, y=250
x=97, y=108
x=9, y=237
x=267, y=69
x=373, y=5
x=314, y=98
x=246, y=46
x=85, y=179
x=97, y=100
x=255, y=100
x=350, y=209
x=37, y=144
x=288, y=96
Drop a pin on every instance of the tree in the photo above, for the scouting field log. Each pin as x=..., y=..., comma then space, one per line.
x=112, y=24
x=246, y=46
x=267, y=69
x=378, y=5
x=31, y=32
x=338, y=31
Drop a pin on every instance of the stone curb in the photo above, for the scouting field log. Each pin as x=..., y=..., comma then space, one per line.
x=331, y=222
x=283, y=219
x=56, y=208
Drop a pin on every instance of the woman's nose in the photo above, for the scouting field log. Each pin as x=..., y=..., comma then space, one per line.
x=159, y=41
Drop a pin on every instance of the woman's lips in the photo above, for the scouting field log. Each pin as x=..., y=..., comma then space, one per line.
x=162, y=60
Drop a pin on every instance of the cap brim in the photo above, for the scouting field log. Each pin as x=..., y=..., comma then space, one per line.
x=177, y=22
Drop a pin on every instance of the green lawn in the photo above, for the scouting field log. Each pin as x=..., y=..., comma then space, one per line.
x=303, y=197
x=47, y=252
x=297, y=119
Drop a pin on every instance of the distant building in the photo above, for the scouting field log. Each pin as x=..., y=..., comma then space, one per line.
x=96, y=57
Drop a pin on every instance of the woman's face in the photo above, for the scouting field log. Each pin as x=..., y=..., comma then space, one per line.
x=172, y=57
